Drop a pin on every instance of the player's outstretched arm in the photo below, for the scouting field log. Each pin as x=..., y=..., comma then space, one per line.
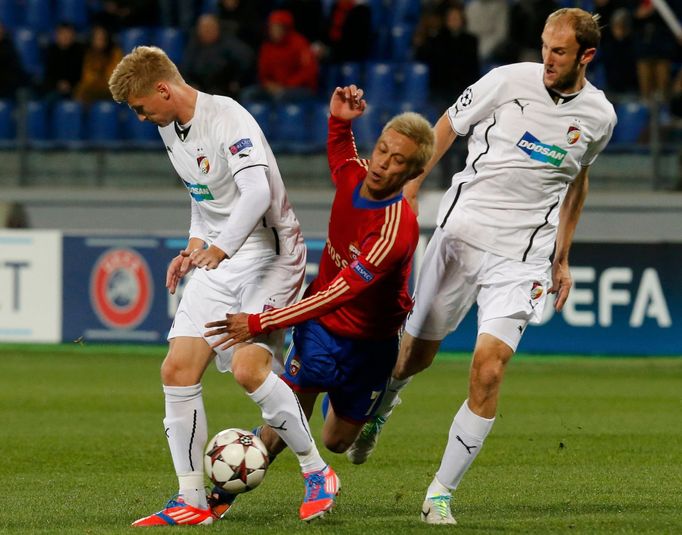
x=181, y=264
x=347, y=103
x=445, y=136
x=568, y=220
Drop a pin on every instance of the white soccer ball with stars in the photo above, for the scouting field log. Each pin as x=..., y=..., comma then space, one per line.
x=236, y=460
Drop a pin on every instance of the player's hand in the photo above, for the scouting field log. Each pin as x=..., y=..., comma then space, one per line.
x=205, y=258
x=177, y=269
x=347, y=103
x=234, y=330
x=561, y=283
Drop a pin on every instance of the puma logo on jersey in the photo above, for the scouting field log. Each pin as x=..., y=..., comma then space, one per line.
x=516, y=101
x=541, y=152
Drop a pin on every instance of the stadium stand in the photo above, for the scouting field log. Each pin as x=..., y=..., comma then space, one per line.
x=7, y=125
x=38, y=15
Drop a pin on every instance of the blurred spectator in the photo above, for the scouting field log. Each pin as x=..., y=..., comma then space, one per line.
x=617, y=53
x=178, y=14
x=430, y=22
x=655, y=48
x=117, y=14
x=287, y=66
x=526, y=22
x=308, y=16
x=101, y=57
x=452, y=57
x=488, y=20
x=350, y=32
x=216, y=62
x=245, y=19
x=12, y=75
x=676, y=98
x=63, y=63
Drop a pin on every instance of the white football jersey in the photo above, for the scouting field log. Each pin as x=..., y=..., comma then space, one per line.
x=523, y=153
x=224, y=139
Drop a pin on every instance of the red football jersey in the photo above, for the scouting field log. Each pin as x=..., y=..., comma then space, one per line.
x=361, y=290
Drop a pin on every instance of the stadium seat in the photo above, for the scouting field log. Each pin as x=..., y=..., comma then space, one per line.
x=381, y=44
x=401, y=42
x=209, y=6
x=172, y=41
x=103, y=124
x=261, y=112
x=318, y=126
x=73, y=11
x=67, y=122
x=129, y=38
x=380, y=84
x=36, y=122
x=367, y=127
x=141, y=134
x=26, y=42
x=292, y=127
x=633, y=122
x=351, y=73
x=7, y=127
x=416, y=84
x=404, y=12
x=10, y=15
x=38, y=15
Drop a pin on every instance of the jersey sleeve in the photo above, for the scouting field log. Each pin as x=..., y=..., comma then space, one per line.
x=197, y=226
x=476, y=102
x=594, y=148
x=341, y=147
x=383, y=251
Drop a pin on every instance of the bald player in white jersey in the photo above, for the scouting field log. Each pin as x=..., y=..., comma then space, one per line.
x=535, y=130
x=247, y=252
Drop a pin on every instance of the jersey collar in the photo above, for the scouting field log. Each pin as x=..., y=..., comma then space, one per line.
x=361, y=202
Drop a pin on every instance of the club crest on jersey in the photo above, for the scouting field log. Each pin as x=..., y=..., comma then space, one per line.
x=536, y=290
x=362, y=271
x=240, y=146
x=294, y=366
x=541, y=152
x=573, y=134
x=203, y=164
x=198, y=192
x=354, y=250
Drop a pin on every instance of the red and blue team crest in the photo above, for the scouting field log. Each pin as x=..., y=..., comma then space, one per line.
x=294, y=366
x=354, y=250
x=121, y=288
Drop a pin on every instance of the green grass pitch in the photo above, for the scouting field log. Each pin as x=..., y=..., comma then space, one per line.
x=581, y=445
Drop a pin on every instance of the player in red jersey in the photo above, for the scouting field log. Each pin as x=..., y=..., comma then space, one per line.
x=346, y=335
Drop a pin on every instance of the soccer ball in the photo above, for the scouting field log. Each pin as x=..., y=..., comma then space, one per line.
x=236, y=460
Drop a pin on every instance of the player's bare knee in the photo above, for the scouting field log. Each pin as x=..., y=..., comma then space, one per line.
x=336, y=444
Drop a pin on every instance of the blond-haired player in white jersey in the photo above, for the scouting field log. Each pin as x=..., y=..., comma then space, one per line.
x=248, y=255
x=535, y=130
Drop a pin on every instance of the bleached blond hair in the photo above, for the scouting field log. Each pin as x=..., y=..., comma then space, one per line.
x=138, y=72
x=417, y=128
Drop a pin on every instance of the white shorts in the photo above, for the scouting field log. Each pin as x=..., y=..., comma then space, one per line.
x=248, y=285
x=454, y=274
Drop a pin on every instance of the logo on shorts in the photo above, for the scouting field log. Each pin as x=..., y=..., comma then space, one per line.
x=362, y=271
x=536, y=290
x=121, y=288
x=294, y=366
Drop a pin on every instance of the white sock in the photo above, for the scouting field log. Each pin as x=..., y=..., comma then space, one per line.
x=187, y=433
x=467, y=433
x=391, y=397
x=436, y=488
x=283, y=413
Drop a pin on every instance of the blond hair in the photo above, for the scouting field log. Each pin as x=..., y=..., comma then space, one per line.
x=418, y=129
x=138, y=72
x=584, y=24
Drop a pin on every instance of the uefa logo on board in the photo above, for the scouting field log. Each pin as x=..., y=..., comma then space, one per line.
x=121, y=288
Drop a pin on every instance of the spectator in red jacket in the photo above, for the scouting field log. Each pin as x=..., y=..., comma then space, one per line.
x=287, y=66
